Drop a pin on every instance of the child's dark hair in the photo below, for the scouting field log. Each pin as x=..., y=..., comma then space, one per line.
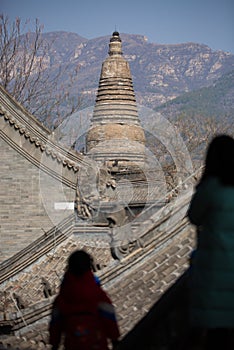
x=79, y=262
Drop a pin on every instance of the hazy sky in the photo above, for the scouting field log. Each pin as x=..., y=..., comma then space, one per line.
x=208, y=22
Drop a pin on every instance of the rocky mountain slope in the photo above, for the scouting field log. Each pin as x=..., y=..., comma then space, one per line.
x=71, y=67
x=216, y=100
x=160, y=72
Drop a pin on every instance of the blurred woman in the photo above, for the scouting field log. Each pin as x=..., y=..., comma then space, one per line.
x=212, y=273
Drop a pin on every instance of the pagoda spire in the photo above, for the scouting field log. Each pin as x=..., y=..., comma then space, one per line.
x=115, y=45
x=115, y=133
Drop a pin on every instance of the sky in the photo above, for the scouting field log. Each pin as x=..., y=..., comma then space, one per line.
x=209, y=22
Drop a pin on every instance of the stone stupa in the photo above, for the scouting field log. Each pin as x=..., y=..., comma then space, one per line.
x=115, y=135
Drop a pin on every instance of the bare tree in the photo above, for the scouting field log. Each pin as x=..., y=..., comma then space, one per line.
x=25, y=72
x=196, y=132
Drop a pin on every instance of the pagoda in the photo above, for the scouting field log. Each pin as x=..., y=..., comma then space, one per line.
x=118, y=180
x=115, y=136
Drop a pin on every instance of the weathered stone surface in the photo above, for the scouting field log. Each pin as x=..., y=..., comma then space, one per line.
x=24, y=215
x=133, y=292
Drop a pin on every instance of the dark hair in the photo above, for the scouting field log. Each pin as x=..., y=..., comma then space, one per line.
x=79, y=262
x=220, y=160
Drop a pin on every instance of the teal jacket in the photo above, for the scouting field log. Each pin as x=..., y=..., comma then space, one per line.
x=212, y=269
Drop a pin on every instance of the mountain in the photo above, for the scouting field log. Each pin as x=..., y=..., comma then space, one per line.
x=64, y=46
x=216, y=100
x=160, y=72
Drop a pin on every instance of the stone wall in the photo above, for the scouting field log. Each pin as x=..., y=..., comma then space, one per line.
x=28, y=197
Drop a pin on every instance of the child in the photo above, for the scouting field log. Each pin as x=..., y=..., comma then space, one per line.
x=82, y=311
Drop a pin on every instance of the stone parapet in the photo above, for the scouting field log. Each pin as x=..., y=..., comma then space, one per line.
x=32, y=140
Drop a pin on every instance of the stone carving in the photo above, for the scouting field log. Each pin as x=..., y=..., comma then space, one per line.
x=105, y=180
x=83, y=208
x=91, y=191
x=47, y=290
x=124, y=249
x=123, y=241
x=19, y=301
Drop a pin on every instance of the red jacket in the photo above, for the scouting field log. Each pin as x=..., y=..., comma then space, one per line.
x=84, y=313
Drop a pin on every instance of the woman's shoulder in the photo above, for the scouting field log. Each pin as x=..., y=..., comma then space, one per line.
x=208, y=184
x=215, y=190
